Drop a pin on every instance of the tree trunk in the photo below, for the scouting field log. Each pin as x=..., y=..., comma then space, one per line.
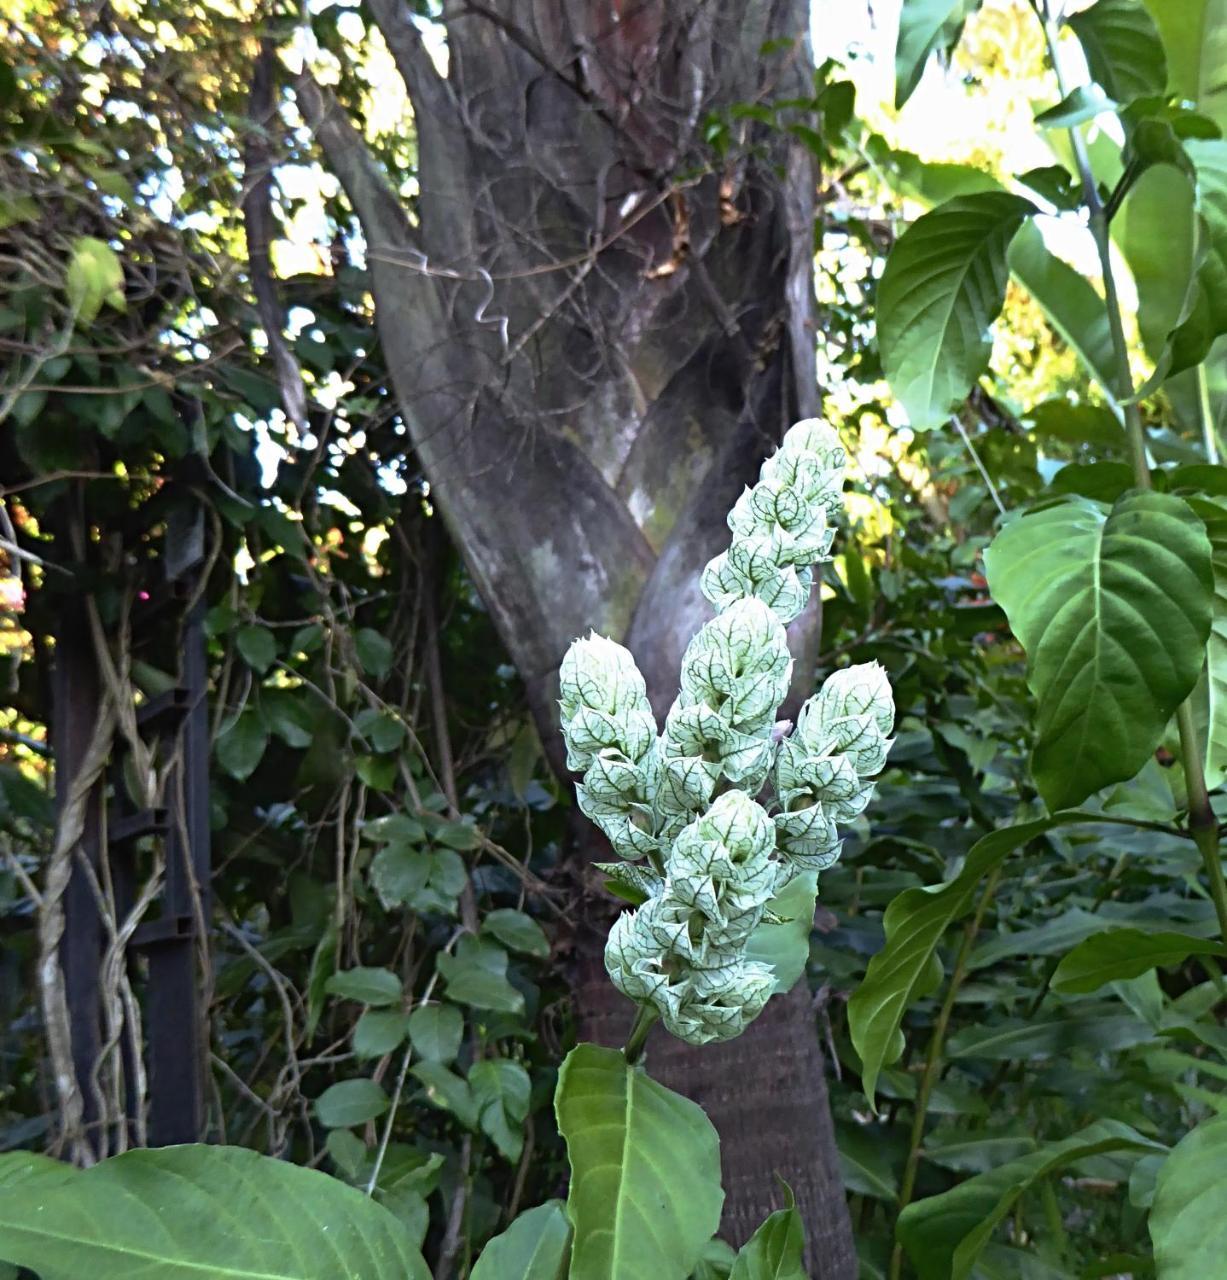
x=597, y=327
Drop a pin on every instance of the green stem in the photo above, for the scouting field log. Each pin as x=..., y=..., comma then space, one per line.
x=1203, y=826
x=645, y=1018
x=1205, y=412
x=933, y=1061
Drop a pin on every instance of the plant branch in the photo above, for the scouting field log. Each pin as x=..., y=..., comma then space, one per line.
x=933, y=1060
x=1203, y=825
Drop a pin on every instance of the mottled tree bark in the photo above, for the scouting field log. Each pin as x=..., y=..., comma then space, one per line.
x=596, y=329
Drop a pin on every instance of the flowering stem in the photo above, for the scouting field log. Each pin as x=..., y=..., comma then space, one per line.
x=644, y=1020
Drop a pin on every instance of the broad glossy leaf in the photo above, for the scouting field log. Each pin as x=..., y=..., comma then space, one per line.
x=785, y=946
x=240, y=748
x=924, y=27
x=1033, y=1039
x=182, y=1213
x=258, y=647
x=374, y=652
x=1188, y=1219
x=477, y=975
x=379, y=1031
x=435, y=1031
x=349, y=1103
x=1125, y=953
x=1058, y=419
x=776, y=1251
x=366, y=985
x=1210, y=695
x=518, y=931
x=1157, y=232
x=501, y=1090
x=645, y=1192
x=1072, y=306
x=447, y=1091
x=1123, y=48
x=1113, y=609
x=943, y=287
x=944, y=1235
x=537, y=1246
x=1194, y=36
x=915, y=922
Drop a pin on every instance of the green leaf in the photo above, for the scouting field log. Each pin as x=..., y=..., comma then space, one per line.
x=288, y=714
x=349, y=1103
x=182, y=1213
x=501, y=1090
x=240, y=748
x=1123, y=48
x=943, y=287
x=1066, y=297
x=1157, y=232
x=914, y=922
x=1083, y=104
x=776, y=1251
x=785, y=946
x=258, y=647
x=945, y=1234
x=457, y=835
x=446, y=1090
x=924, y=27
x=347, y=1152
x=645, y=1193
x=1034, y=1039
x=367, y=986
x=435, y=1031
x=374, y=652
x=379, y=1031
x=1124, y=953
x=537, y=1246
x=1113, y=609
x=94, y=276
x=380, y=728
x=518, y=931
x=1210, y=696
x=477, y=975
x=399, y=873
x=1188, y=1220
x=1195, y=39
x=1058, y=419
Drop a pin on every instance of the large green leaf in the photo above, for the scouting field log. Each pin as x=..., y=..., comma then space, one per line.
x=197, y=1212
x=1194, y=36
x=645, y=1192
x=924, y=27
x=785, y=945
x=1210, y=695
x=945, y=1234
x=1113, y=609
x=907, y=968
x=1123, y=48
x=1188, y=1220
x=537, y=1246
x=1066, y=297
x=943, y=286
x=776, y=1251
x=1124, y=953
x=1157, y=232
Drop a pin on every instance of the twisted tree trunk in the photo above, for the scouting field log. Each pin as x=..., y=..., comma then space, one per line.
x=596, y=329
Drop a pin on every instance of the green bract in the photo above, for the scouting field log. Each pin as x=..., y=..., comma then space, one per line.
x=685, y=801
